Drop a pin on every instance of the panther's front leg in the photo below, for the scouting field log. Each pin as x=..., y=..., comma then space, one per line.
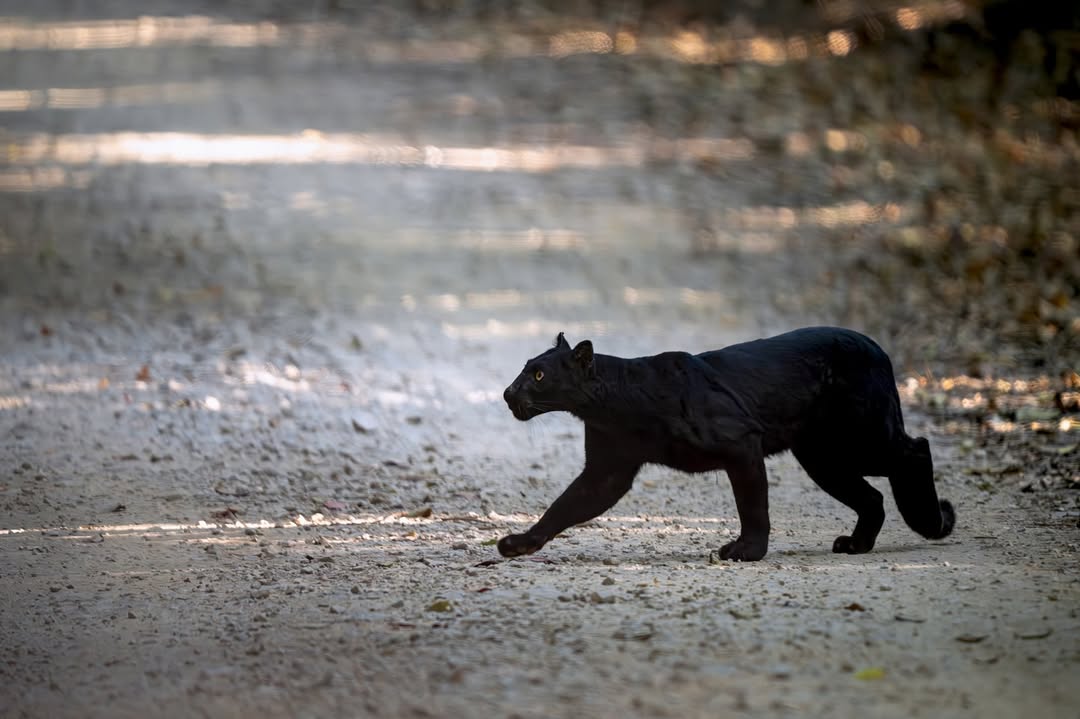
x=596, y=490
x=751, y=488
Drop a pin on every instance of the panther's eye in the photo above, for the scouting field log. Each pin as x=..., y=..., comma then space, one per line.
x=539, y=375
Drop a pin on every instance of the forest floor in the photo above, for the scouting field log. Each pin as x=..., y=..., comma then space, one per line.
x=253, y=452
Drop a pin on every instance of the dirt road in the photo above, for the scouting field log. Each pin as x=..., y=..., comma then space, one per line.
x=264, y=279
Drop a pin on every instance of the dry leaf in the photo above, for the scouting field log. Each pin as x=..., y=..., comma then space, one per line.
x=870, y=673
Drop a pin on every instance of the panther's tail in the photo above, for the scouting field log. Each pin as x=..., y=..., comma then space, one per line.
x=912, y=484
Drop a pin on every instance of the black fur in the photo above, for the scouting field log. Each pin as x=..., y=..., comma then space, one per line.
x=825, y=393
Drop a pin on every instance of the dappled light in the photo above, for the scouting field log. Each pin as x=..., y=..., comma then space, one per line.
x=315, y=147
x=687, y=46
x=10, y=402
x=405, y=526
x=17, y=34
x=79, y=98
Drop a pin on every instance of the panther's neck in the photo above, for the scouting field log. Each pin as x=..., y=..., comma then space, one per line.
x=619, y=391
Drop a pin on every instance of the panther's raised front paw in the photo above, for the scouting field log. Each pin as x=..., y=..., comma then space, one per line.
x=744, y=550
x=515, y=545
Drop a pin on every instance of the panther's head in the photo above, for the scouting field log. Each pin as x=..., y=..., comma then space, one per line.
x=553, y=381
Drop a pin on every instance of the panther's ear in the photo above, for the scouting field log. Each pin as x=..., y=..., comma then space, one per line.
x=561, y=343
x=583, y=354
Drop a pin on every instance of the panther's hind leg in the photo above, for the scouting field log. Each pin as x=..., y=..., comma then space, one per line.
x=912, y=480
x=851, y=489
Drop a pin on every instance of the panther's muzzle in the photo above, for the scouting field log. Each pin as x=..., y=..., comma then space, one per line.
x=519, y=405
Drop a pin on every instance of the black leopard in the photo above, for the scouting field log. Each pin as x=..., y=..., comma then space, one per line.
x=825, y=393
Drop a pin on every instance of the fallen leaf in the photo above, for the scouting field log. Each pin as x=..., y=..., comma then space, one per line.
x=441, y=605
x=419, y=513
x=971, y=638
x=489, y=542
x=143, y=375
x=1036, y=634
x=855, y=607
x=870, y=673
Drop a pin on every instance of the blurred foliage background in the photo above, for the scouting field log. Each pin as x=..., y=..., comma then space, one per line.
x=909, y=169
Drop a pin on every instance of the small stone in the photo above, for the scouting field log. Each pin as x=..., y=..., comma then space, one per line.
x=637, y=631
x=363, y=423
x=610, y=561
x=459, y=545
x=355, y=589
x=608, y=581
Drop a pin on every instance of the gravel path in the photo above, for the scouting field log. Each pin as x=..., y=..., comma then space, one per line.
x=254, y=455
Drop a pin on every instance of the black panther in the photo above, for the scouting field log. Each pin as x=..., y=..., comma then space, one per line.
x=825, y=393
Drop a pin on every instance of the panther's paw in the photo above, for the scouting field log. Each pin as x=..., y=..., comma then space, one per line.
x=515, y=545
x=847, y=545
x=744, y=550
